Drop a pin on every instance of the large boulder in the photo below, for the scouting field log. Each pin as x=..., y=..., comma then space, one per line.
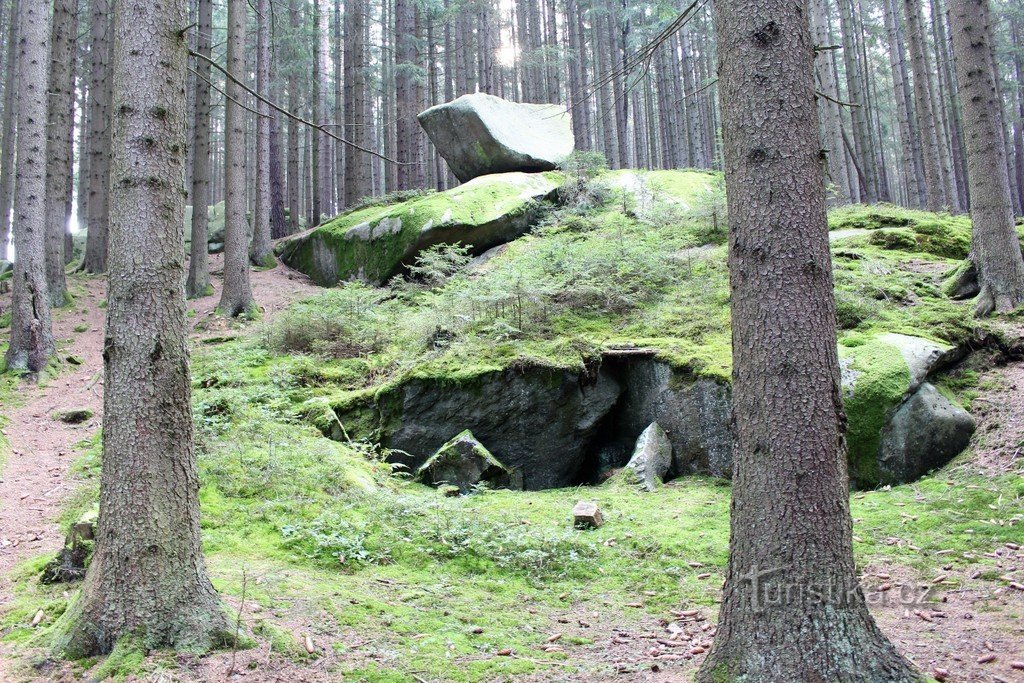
x=464, y=462
x=923, y=434
x=883, y=380
x=481, y=134
x=373, y=243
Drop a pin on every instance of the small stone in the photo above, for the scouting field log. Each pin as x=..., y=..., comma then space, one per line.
x=586, y=515
x=73, y=416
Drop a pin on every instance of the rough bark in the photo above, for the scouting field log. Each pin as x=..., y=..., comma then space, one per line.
x=198, y=282
x=792, y=609
x=147, y=577
x=31, y=341
x=9, y=132
x=935, y=190
x=410, y=169
x=260, y=253
x=236, y=296
x=910, y=139
x=292, y=169
x=59, y=144
x=995, y=246
x=828, y=109
x=95, y=259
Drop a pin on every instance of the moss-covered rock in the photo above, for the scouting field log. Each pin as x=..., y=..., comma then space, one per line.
x=464, y=462
x=373, y=243
x=902, y=229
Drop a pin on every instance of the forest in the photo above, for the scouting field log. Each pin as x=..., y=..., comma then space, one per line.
x=421, y=341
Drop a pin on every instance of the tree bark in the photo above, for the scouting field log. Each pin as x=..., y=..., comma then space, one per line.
x=828, y=109
x=59, y=144
x=995, y=246
x=793, y=609
x=9, y=131
x=198, y=282
x=147, y=577
x=236, y=296
x=260, y=252
x=31, y=341
x=101, y=46
x=935, y=189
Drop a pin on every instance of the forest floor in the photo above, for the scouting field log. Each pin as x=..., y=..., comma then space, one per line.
x=953, y=613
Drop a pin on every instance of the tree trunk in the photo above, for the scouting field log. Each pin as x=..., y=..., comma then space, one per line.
x=95, y=260
x=406, y=106
x=236, y=297
x=9, y=132
x=996, y=248
x=913, y=166
x=292, y=171
x=1018, y=123
x=935, y=188
x=792, y=609
x=31, y=341
x=828, y=108
x=147, y=577
x=198, y=282
x=59, y=144
x=858, y=95
x=260, y=253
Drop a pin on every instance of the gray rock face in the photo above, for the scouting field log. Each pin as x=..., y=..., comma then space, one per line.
x=652, y=457
x=480, y=134
x=695, y=414
x=536, y=421
x=924, y=433
x=464, y=462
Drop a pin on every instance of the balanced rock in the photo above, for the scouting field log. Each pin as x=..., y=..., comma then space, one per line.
x=652, y=457
x=463, y=462
x=373, y=243
x=480, y=134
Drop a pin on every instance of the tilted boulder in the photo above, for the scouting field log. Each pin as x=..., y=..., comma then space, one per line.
x=481, y=134
x=652, y=457
x=373, y=243
x=464, y=462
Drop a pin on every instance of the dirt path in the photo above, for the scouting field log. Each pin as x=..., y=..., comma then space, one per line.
x=41, y=449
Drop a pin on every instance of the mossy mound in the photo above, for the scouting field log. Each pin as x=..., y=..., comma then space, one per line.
x=372, y=243
x=893, y=227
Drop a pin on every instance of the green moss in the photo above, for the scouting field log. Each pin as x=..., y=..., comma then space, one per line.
x=372, y=242
x=881, y=379
x=907, y=230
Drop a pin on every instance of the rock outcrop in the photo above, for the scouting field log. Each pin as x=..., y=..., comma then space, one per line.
x=561, y=428
x=373, y=243
x=482, y=134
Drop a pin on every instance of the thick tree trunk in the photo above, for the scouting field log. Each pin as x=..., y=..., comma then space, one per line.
x=1018, y=119
x=198, y=282
x=236, y=297
x=260, y=253
x=147, y=576
x=9, y=131
x=31, y=341
x=996, y=248
x=95, y=259
x=59, y=144
x=792, y=609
